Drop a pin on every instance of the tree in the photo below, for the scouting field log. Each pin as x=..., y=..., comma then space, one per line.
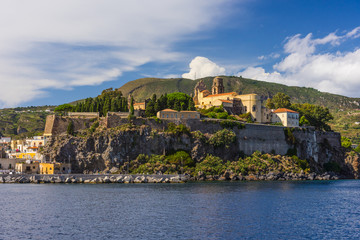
x=280, y=100
x=317, y=116
x=132, y=106
x=269, y=104
x=70, y=128
x=303, y=121
x=64, y=108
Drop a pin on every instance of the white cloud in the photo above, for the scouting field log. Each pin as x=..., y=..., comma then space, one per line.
x=331, y=72
x=65, y=43
x=203, y=67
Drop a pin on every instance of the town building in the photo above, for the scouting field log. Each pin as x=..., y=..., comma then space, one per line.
x=36, y=167
x=28, y=167
x=232, y=102
x=171, y=114
x=286, y=117
x=54, y=168
x=9, y=163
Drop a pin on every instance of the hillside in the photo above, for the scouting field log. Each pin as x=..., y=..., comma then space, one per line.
x=23, y=122
x=145, y=87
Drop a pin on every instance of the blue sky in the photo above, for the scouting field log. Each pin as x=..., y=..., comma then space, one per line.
x=53, y=52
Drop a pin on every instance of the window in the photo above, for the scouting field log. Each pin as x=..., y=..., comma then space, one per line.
x=167, y=115
x=28, y=168
x=254, y=108
x=33, y=167
x=63, y=168
x=0, y=165
x=163, y=115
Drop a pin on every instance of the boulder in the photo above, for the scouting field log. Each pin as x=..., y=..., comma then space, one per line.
x=114, y=170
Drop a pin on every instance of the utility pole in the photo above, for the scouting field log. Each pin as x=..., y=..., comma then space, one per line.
x=128, y=165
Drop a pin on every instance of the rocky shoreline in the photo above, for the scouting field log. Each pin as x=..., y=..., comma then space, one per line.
x=181, y=178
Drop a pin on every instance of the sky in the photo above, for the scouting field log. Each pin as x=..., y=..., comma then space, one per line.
x=59, y=51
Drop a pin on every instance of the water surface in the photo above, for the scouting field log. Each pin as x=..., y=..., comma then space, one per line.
x=245, y=210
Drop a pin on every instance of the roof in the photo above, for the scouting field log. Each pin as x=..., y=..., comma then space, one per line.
x=188, y=111
x=168, y=110
x=140, y=103
x=227, y=101
x=32, y=148
x=222, y=94
x=280, y=110
x=205, y=90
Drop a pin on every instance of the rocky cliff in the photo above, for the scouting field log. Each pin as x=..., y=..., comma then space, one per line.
x=113, y=146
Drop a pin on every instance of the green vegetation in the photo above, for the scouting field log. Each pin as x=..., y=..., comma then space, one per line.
x=222, y=138
x=175, y=163
x=70, y=128
x=177, y=129
x=280, y=100
x=109, y=101
x=181, y=162
x=316, y=116
x=346, y=143
x=216, y=112
x=177, y=101
x=332, y=167
x=23, y=122
x=231, y=124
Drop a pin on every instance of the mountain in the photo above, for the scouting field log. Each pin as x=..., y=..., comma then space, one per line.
x=145, y=87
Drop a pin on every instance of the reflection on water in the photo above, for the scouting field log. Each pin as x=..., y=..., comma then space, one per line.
x=248, y=210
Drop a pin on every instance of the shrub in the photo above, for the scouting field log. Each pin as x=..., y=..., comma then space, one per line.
x=178, y=129
x=222, y=138
x=332, y=167
x=231, y=124
x=70, y=128
x=94, y=126
x=346, y=143
x=211, y=165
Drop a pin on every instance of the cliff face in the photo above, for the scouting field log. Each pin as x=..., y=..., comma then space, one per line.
x=114, y=146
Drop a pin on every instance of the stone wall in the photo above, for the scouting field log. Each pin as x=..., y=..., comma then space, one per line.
x=320, y=146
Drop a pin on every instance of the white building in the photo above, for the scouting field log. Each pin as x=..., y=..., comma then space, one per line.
x=287, y=117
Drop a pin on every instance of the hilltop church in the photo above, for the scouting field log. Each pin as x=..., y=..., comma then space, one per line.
x=231, y=101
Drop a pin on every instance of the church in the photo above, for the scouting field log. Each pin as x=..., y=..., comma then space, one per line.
x=231, y=101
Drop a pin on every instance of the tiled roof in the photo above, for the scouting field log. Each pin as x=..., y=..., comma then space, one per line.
x=188, y=111
x=140, y=103
x=227, y=101
x=280, y=110
x=168, y=110
x=221, y=94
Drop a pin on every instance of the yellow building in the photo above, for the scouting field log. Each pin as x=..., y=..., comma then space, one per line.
x=54, y=168
x=231, y=101
x=177, y=115
x=140, y=106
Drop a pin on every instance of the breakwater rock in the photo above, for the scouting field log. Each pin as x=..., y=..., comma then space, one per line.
x=87, y=178
x=271, y=176
x=182, y=178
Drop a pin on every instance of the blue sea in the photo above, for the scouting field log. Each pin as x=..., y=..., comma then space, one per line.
x=215, y=210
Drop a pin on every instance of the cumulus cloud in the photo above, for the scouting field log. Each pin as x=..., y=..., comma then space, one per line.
x=331, y=72
x=64, y=43
x=203, y=67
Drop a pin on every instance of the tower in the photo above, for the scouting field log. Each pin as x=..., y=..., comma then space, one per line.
x=218, y=86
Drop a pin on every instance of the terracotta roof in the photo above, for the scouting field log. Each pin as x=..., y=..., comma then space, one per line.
x=280, y=110
x=221, y=94
x=227, y=101
x=140, y=103
x=188, y=111
x=169, y=110
x=205, y=90
x=32, y=148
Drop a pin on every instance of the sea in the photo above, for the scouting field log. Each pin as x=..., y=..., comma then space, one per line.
x=207, y=210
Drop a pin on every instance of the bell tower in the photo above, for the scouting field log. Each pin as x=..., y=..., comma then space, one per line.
x=218, y=86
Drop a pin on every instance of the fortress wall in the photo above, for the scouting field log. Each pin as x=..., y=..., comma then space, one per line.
x=49, y=124
x=310, y=144
x=60, y=124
